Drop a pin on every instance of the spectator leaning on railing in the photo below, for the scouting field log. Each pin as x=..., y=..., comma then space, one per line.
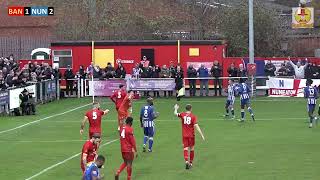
x=269, y=69
x=203, y=73
x=216, y=72
x=232, y=71
x=192, y=73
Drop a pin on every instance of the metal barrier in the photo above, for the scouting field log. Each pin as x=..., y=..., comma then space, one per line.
x=42, y=92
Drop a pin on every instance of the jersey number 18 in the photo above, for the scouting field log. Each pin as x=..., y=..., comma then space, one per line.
x=186, y=120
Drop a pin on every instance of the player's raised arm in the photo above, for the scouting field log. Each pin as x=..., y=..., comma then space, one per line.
x=199, y=130
x=85, y=119
x=176, y=107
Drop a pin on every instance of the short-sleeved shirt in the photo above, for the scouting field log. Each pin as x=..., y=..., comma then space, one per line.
x=95, y=117
x=311, y=94
x=188, y=121
x=90, y=149
x=119, y=95
x=147, y=115
x=127, y=139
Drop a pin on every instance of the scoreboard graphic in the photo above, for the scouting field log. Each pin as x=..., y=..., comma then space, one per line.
x=30, y=11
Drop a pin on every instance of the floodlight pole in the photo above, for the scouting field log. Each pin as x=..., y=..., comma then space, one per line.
x=251, y=33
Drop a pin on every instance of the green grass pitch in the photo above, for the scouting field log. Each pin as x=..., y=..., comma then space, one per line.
x=278, y=146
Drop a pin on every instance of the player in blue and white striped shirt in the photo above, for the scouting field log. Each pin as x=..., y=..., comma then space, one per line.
x=230, y=99
x=243, y=91
x=147, y=116
x=92, y=170
x=311, y=94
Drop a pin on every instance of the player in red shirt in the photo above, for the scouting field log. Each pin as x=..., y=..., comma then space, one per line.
x=118, y=96
x=128, y=148
x=189, y=121
x=94, y=117
x=125, y=108
x=89, y=151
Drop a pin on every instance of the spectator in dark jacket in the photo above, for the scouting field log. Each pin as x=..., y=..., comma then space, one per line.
x=82, y=72
x=289, y=69
x=283, y=71
x=192, y=73
x=204, y=74
x=172, y=70
x=216, y=72
x=97, y=73
x=120, y=72
x=9, y=79
x=69, y=76
x=232, y=71
x=269, y=69
x=155, y=73
x=110, y=72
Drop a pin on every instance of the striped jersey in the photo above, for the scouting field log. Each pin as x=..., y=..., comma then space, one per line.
x=231, y=93
x=92, y=170
x=243, y=90
x=311, y=94
x=147, y=115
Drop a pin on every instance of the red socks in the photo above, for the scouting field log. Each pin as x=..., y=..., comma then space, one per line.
x=123, y=165
x=185, y=155
x=191, y=156
x=129, y=171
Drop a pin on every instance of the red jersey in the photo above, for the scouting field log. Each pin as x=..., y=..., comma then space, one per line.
x=126, y=104
x=90, y=149
x=127, y=139
x=118, y=96
x=188, y=121
x=95, y=117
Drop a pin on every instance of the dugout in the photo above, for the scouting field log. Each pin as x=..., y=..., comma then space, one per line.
x=160, y=52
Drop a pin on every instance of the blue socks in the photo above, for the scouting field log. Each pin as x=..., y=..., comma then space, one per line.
x=145, y=139
x=150, y=143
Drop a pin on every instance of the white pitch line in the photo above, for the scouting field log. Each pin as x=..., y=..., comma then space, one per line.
x=36, y=121
x=62, y=162
x=43, y=141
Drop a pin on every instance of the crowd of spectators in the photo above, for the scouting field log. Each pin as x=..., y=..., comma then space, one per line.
x=11, y=75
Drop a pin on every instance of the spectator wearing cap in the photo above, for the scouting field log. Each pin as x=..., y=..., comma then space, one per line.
x=69, y=76
x=232, y=70
x=216, y=72
x=203, y=74
x=145, y=62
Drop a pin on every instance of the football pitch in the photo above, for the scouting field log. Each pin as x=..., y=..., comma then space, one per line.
x=278, y=146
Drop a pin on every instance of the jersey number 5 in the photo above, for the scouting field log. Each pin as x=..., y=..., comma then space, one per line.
x=119, y=95
x=123, y=133
x=186, y=120
x=94, y=115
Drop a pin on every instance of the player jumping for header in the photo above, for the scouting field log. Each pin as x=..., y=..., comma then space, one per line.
x=243, y=91
x=189, y=121
x=147, y=116
x=311, y=94
x=230, y=99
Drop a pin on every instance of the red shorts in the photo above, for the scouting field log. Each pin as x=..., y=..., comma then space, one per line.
x=128, y=156
x=122, y=116
x=188, y=141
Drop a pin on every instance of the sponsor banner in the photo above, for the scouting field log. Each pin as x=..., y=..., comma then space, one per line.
x=152, y=84
x=104, y=88
x=4, y=98
x=125, y=61
x=302, y=17
x=197, y=65
x=14, y=95
x=281, y=87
